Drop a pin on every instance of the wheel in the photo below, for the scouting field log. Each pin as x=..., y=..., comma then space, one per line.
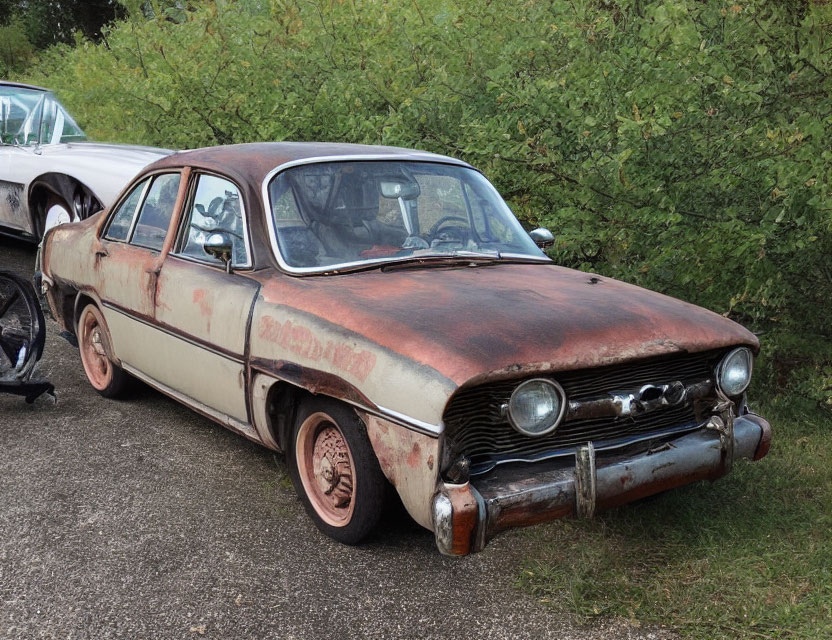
x=54, y=212
x=55, y=215
x=95, y=346
x=22, y=328
x=335, y=471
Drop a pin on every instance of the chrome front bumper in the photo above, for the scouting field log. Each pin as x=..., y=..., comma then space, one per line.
x=466, y=516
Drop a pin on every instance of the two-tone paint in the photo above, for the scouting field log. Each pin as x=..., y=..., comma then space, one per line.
x=395, y=344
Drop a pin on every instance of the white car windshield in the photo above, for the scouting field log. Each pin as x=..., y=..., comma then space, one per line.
x=32, y=116
x=349, y=214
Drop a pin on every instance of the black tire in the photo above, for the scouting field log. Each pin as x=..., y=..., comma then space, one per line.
x=368, y=484
x=105, y=376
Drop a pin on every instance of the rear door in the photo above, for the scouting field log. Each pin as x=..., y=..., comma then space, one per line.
x=128, y=259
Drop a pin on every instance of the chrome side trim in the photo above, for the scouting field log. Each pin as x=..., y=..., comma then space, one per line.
x=173, y=333
x=406, y=421
x=390, y=415
x=225, y=420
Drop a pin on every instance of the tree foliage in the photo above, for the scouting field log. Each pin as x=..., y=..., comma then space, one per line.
x=47, y=22
x=681, y=145
x=16, y=52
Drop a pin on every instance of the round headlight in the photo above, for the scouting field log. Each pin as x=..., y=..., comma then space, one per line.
x=536, y=407
x=734, y=372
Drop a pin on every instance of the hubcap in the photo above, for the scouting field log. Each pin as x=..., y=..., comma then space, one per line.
x=325, y=467
x=93, y=353
x=56, y=215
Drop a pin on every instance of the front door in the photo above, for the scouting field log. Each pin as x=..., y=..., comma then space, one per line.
x=205, y=311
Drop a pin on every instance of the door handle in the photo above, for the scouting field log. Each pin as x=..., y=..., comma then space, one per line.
x=101, y=253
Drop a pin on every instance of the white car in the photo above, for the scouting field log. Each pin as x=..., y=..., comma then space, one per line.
x=49, y=174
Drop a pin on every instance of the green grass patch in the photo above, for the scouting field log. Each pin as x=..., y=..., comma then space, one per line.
x=747, y=556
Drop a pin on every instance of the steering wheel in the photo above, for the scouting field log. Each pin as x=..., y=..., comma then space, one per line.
x=215, y=230
x=455, y=230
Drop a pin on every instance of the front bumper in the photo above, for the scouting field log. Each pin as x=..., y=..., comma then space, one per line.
x=466, y=516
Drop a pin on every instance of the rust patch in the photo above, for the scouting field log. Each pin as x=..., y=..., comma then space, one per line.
x=313, y=380
x=205, y=306
x=302, y=342
x=476, y=324
x=414, y=456
x=465, y=518
x=403, y=455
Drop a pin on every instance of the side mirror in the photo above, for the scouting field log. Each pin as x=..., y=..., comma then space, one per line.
x=219, y=246
x=542, y=237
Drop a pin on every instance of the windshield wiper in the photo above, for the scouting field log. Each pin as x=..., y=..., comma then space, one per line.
x=457, y=258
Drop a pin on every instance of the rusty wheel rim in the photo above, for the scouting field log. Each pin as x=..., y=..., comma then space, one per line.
x=326, y=469
x=93, y=342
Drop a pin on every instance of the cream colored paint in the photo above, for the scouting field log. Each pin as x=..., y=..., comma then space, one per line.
x=260, y=386
x=205, y=302
x=410, y=461
x=195, y=372
x=279, y=333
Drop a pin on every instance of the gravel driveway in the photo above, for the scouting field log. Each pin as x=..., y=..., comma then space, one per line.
x=141, y=519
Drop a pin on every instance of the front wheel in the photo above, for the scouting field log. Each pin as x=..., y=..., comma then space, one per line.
x=335, y=471
x=95, y=346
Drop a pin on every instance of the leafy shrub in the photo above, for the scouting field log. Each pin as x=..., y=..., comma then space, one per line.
x=15, y=49
x=680, y=145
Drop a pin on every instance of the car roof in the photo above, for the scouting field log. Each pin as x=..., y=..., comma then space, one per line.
x=20, y=85
x=254, y=161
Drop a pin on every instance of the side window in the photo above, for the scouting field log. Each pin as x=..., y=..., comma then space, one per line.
x=156, y=211
x=67, y=128
x=216, y=208
x=119, y=228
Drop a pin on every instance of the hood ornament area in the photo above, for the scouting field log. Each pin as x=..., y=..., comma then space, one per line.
x=650, y=397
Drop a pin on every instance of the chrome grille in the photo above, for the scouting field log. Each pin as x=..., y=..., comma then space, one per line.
x=477, y=429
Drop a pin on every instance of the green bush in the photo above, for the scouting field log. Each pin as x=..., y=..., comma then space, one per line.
x=680, y=145
x=15, y=49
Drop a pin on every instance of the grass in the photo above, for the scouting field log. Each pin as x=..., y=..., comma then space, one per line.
x=747, y=556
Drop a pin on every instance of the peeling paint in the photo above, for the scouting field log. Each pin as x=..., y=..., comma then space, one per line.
x=302, y=342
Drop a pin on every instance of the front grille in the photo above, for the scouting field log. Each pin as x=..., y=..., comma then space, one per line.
x=477, y=429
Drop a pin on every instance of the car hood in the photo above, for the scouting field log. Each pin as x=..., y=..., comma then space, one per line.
x=135, y=155
x=104, y=168
x=504, y=320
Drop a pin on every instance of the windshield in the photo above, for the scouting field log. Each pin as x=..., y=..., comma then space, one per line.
x=353, y=213
x=29, y=116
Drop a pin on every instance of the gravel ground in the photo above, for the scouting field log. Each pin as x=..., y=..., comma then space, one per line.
x=141, y=519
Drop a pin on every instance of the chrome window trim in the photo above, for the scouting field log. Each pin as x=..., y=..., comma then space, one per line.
x=154, y=176
x=249, y=263
x=148, y=181
x=137, y=180
x=417, y=156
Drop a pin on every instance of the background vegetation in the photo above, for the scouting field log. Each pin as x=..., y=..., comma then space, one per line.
x=677, y=144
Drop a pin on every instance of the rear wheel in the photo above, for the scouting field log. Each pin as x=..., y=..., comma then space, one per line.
x=57, y=214
x=95, y=346
x=335, y=471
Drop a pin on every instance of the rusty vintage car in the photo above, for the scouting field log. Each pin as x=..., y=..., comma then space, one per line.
x=379, y=315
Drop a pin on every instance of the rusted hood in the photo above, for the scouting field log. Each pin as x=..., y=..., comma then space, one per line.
x=505, y=319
